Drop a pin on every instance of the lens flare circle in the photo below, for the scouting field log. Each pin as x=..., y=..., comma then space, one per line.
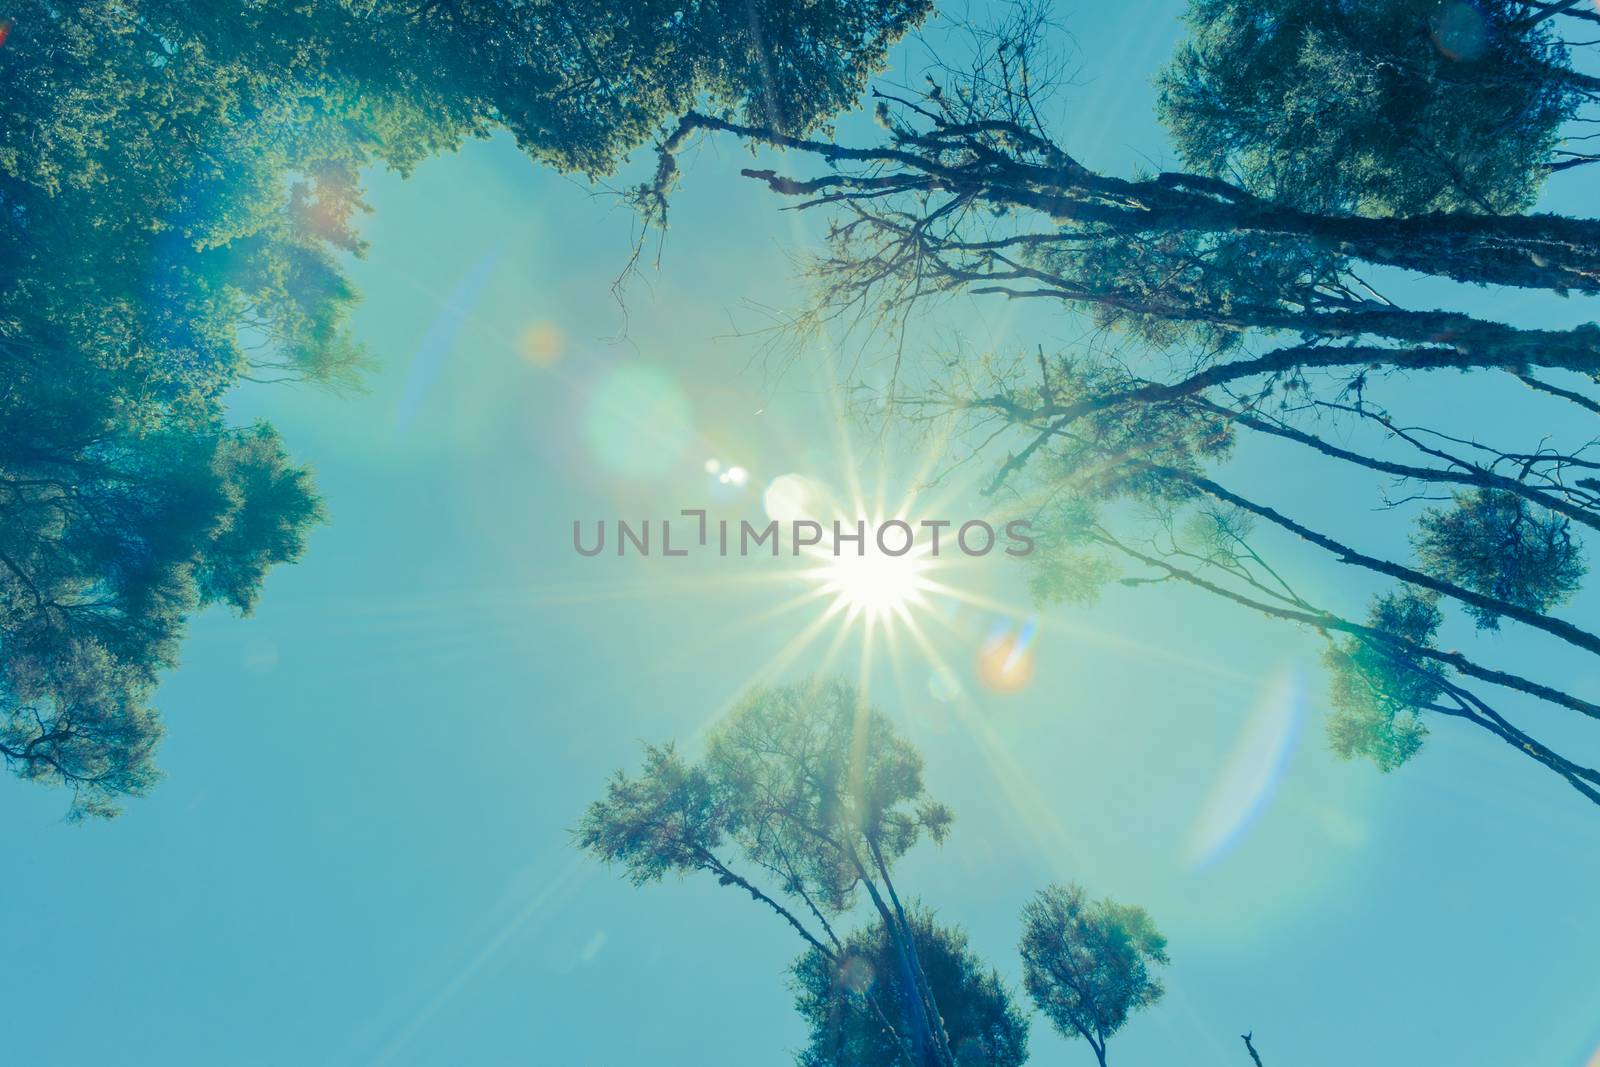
x=638, y=421
x=542, y=344
x=792, y=496
x=1006, y=658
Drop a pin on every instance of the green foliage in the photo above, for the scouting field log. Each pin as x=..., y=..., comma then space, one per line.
x=806, y=798
x=1499, y=544
x=1373, y=106
x=820, y=785
x=850, y=1001
x=179, y=184
x=105, y=550
x=1107, y=446
x=1378, y=686
x=1186, y=286
x=666, y=820
x=71, y=714
x=1089, y=965
x=154, y=222
x=1067, y=565
x=180, y=180
x=805, y=780
x=815, y=792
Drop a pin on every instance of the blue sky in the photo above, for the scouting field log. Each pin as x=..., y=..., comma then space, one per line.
x=360, y=853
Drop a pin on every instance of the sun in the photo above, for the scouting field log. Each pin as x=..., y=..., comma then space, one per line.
x=874, y=584
x=855, y=575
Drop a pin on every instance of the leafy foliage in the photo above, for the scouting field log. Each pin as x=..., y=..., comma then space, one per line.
x=76, y=716
x=667, y=819
x=1378, y=686
x=1331, y=147
x=176, y=175
x=818, y=797
x=1375, y=106
x=1499, y=544
x=1089, y=965
x=805, y=780
x=1067, y=565
x=856, y=1005
x=179, y=185
x=804, y=801
x=105, y=550
x=821, y=786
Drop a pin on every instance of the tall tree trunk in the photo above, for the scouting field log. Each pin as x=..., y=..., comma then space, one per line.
x=1537, y=251
x=929, y=1045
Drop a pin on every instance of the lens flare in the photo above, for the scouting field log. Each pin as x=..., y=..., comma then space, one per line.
x=1460, y=32
x=1251, y=775
x=441, y=338
x=856, y=974
x=638, y=421
x=1005, y=659
x=889, y=589
x=542, y=344
x=791, y=496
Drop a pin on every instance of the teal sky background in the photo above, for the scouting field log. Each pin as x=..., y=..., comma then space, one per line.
x=360, y=853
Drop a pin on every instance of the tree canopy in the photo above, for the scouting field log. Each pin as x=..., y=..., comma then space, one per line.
x=808, y=785
x=1088, y=965
x=1397, y=107
x=804, y=801
x=1238, y=301
x=840, y=999
x=180, y=184
x=108, y=543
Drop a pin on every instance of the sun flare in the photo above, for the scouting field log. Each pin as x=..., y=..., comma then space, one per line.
x=875, y=584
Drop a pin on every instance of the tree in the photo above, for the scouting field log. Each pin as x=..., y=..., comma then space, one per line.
x=179, y=184
x=839, y=998
x=812, y=788
x=180, y=180
x=1378, y=697
x=105, y=550
x=1393, y=108
x=579, y=85
x=817, y=796
x=1498, y=544
x=1223, y=307
x=1089, y=965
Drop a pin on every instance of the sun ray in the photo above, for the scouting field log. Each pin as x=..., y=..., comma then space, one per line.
x=1091, y=634
x=839, y=637
x=780, y=661
x=1016, y=784
x=866, y=652
x=1027, y=800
